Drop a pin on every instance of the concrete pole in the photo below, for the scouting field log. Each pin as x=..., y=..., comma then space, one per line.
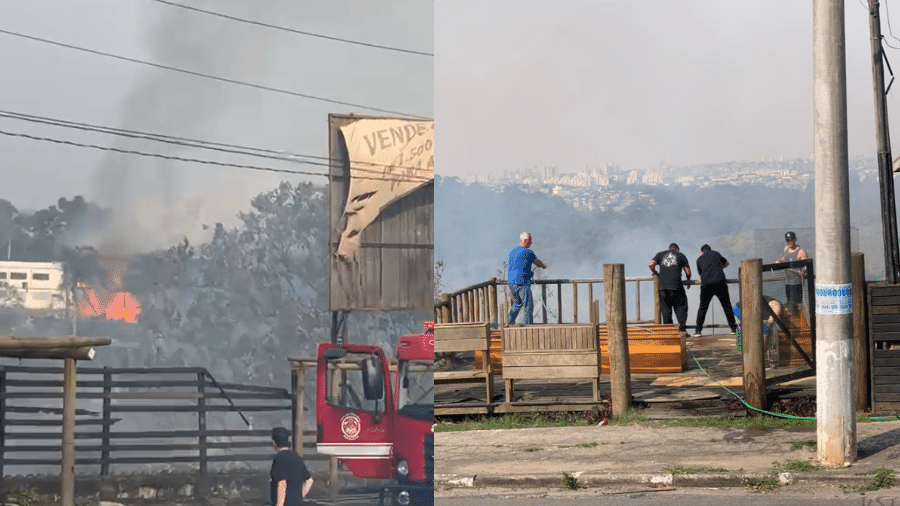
x=68, y=436
x=860, y=336
x=753, y=347
x=835, y=403
x=619, y=363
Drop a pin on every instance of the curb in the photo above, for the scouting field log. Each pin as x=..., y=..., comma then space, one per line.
x=711, y=480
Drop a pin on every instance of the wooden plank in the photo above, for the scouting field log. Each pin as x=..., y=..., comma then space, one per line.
x=885, y=301
x=447, y=346
x=549, y=359
x=886, y=318
x=876, y=310
x=886, y=353
x=886, y=379
x=880, y=389
x=459, y=376
x=885, y=327
x=884, y=290
x=457, y=331
x=510, y=372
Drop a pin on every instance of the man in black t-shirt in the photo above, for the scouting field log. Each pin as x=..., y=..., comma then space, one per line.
x=711, y=269
x=671, y=291
x=291, y=480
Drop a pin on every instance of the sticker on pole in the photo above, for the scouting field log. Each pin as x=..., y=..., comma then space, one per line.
x=834, y=299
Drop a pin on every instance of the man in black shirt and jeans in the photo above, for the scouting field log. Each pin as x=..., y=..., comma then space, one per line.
x=671, y=291
x=291, y=480
x=711, y=269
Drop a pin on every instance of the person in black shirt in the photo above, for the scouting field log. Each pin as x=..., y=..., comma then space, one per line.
x=671, y=292
x=291, y=480
x=711, y=269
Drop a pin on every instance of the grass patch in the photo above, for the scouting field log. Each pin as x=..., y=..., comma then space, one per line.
x=523, y=420
x=581, y=445
x=694, y=470
x=631, y=416
x=797, y=466
x=569, y=481
x=736, y=422
x=530, y=450
x=772, y=481
x=884, y=478
x=799, y=445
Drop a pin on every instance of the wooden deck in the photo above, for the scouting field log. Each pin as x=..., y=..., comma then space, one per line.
x=662, y=395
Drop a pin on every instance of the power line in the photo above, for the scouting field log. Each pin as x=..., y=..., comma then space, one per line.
x=292, y=30
x=207, y=76
x=182, y=141
x=205, y=162
x=887, y=11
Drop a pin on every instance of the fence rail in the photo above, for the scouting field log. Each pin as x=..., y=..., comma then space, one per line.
x=29, y=416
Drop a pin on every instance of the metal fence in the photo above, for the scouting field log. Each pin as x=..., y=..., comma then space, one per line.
x=184, y=398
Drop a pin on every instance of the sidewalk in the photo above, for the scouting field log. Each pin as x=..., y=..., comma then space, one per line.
x=629, y=455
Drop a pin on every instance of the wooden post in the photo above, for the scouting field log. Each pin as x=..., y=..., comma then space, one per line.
x=751, y=334
x=619, y=364
x=593, y=318
x=68, y=435
x=575, y=302
x=559, y=303
x=657, y=312
x=333, y=477
x=445, y=309
x=495, y=308
x=860, y=337
x=2, y=427
x=597, y=310
x=544, y=301
x=298, y=383
x=637, y=300
x=201, y=422
x=476, y=305
x=107, y=421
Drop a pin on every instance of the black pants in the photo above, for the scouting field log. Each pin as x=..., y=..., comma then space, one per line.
x=677, y=300
x=720, y=290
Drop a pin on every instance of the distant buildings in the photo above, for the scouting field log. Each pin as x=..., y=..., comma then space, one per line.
x=33, y=285
x=589, y=189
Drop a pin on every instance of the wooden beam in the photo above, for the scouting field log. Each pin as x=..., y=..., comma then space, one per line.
x=83, y=353
x=45, y=343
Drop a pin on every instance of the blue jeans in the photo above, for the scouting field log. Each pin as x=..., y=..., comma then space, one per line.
x=521, y=295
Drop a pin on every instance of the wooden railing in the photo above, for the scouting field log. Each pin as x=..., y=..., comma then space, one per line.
x=482, y=301
x=30, y=418
x=485, y=301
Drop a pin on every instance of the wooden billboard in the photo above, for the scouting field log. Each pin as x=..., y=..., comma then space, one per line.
x=382, y=257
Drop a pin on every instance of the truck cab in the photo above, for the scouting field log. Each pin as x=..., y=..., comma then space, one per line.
x=380, y=421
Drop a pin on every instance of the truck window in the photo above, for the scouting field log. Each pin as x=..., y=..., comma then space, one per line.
x=345, y=384
x=416, y=383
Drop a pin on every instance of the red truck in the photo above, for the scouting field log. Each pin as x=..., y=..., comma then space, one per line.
x=379, y=432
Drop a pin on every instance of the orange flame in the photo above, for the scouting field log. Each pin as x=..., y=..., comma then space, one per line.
x=116, y=305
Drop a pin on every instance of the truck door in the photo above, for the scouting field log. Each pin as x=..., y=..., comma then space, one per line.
x=354, y=408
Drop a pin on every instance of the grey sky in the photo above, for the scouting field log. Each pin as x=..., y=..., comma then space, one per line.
x=41, y=79
x=525, y=83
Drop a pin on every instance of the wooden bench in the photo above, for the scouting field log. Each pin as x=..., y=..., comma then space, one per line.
x=456, y=337
x=551, y=352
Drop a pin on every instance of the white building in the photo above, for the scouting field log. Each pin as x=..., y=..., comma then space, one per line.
x=34, y=285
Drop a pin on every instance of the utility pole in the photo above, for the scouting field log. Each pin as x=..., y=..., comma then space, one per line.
x=835, y=403
x=885, y=164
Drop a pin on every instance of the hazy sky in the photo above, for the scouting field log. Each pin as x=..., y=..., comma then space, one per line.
x=526, y=83
x=46, y=80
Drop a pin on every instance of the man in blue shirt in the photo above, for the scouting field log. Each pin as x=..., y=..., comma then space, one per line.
x=518, y=277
